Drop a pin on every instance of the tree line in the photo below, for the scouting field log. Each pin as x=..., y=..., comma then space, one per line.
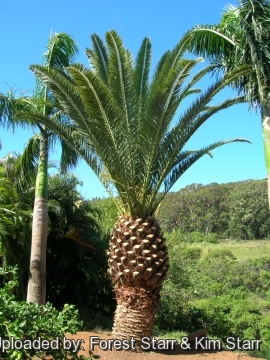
x=237, y=210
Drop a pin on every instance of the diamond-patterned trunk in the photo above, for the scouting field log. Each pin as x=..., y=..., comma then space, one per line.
x=138, y=264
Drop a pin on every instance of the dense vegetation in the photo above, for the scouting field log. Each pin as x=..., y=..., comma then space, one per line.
x=216, y=291
x=26, y=323
x=76, y=257
x=207, y=285
x=233, y=210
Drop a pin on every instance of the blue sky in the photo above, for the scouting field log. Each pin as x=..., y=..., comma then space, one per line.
x=26, y=25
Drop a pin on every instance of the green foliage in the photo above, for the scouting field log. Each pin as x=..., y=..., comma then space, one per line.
x=196, y=236
x=240, y=37
x=109, y=214
x=26, y=321
x=174, y=312
x=15, y=222
x=208, y=213
x=249, y=213
x=76, y=259
x=265, y=329
x=211, y=238
x=213, y=290
x=197, y=208
x=227, y=315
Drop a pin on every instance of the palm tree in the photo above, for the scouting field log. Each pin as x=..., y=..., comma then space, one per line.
x=61, y=50
x=242, y=37
x=121, y=124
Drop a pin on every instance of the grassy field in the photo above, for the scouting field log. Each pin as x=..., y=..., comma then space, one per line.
x=242, y=249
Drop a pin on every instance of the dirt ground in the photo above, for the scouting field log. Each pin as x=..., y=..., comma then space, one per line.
x=176, y=354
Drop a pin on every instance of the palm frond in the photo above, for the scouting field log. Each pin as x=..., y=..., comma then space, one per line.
x=26, y=164
x=74, y=137
x=67, y=95
x=141, y=73
x=69, y=157
x=6, y=228
x=61, y=50
x=121, y=86
x=210, y=41
x=98, y=58
x=103, y=119
x=241, y=37
x=187, y=159
x=9, y=106
x=77, y=236
x=56, y=214
x=164, y=108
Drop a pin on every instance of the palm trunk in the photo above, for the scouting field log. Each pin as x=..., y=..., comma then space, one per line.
x=138, y=264
x=36, y=292
x=265, y=115
x=135, y=313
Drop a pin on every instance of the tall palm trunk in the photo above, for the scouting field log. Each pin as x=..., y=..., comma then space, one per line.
x=265, y=116
x=36, y=292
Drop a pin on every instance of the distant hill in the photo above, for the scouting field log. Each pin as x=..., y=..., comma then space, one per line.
x=236, y=210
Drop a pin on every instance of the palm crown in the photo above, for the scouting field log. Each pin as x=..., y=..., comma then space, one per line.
x=122, y=122
x=241, y=37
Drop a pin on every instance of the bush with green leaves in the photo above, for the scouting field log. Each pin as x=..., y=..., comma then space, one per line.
x=175, y=311
x=23, y=321
x=180, y=287
x=229, y=315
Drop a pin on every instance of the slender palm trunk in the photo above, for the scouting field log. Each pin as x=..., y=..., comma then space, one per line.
x=36, y=292
x=265, y=115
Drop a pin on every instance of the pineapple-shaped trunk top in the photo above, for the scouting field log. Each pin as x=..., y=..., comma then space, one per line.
x=137, y=254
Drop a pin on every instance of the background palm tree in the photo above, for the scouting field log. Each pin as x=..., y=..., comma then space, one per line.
x=61, y=50
x=121, y=124
x=242, y=37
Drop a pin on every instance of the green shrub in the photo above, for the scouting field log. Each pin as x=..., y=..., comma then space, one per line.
x=229, y=315
x=27, y=322
x=181, y=286
x=211, y=238
x=175, y=312
x=191, y=253
x=176, y=236
x=197, y=236
x=265, y=330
